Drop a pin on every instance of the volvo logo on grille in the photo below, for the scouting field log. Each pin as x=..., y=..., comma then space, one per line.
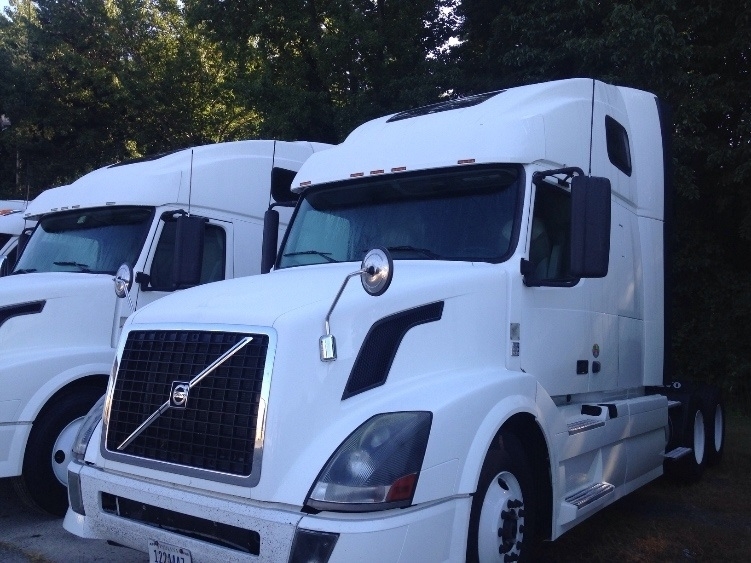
x=178, y=398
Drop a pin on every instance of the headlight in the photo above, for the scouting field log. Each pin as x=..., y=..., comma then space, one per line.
x=87, y=429
x=376, y=467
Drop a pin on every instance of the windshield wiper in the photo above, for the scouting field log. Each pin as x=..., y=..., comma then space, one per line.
x=26, y=271
x=424, y=251
x=82, y=267
x=324, y=255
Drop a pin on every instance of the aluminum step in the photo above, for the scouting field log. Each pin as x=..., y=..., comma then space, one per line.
x=677, y=453
x=584, y=425
x=673, y=404
x=590, y=494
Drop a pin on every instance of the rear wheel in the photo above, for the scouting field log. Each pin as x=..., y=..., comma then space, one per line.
x=503, y=513
x=43, y=483
x=714, y=412
x=689, y=468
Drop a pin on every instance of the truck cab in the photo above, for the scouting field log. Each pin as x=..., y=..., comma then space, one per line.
x=459, y=350
x=12, y=225
x=157, y=225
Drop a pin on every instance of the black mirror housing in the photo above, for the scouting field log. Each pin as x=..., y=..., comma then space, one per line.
x=590, y=226
x=270, y=240
x=188, y=259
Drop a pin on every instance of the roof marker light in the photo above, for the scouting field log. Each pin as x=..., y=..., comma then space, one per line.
x=376, y=171
x=305, y=183
x=356, y=174
x=466, y=161
x=399, y=169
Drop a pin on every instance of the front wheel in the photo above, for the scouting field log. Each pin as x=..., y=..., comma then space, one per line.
x=43, y=483
x=501, y=525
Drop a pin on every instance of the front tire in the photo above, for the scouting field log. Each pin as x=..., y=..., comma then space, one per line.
x=43, y=483
x=502, y=521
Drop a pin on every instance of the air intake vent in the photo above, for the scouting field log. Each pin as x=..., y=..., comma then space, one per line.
x=215, y=429
x=448, y=105
x=373, y=362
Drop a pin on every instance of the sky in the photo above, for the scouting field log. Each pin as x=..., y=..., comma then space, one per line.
x=3, y=4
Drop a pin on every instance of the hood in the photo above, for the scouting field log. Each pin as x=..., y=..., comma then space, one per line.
x=261, y=300
x=55, y=309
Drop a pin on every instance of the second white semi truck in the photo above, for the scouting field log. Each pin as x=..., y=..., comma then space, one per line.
x=460, y=350
x=176, y=220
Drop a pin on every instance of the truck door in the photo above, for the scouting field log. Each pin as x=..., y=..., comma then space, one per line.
x=156, y=281
x=566, y=338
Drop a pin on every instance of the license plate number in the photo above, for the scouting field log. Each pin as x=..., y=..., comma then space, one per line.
x=160, y=552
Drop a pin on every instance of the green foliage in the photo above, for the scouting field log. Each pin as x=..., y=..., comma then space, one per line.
x=317, y=68
x=91, y=82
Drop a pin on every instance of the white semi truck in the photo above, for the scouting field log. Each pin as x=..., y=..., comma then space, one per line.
x=176, y=220
x=495, y=374
x=12, y=225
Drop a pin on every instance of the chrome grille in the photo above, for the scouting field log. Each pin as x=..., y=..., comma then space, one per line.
x=216, y=431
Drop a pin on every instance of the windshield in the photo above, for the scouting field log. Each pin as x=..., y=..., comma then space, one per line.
x=452, y=214
x=87, y=240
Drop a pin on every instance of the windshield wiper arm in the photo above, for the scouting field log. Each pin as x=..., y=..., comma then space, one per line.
x=25, y=271
x=83, y=267
x=324, y=255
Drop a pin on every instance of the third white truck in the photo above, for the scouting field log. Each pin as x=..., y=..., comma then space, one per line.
x=461, y=349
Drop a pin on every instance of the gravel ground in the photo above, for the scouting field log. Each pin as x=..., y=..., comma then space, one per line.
x=27, y=536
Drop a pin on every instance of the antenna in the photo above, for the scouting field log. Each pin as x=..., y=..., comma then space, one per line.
x=190, y=181
x=591, y=128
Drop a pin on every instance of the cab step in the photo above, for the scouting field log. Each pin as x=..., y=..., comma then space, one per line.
x=583, y=425
x=677, y=453
x=590, y=494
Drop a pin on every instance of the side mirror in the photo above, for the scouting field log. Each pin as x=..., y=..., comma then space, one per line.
x=376, y=273
x=23, y=240
x=123, y=280
x=188, y=258
x=590, y=226
x=270, y=240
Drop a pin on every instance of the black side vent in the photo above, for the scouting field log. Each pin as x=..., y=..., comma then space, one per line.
x=379, y=348
x=11, y=311
x=447, y=105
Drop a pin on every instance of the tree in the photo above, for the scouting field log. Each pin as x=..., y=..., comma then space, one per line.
x=91, y=82
x=317, y=68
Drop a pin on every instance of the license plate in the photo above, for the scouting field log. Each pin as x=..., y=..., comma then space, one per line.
x=160, y=552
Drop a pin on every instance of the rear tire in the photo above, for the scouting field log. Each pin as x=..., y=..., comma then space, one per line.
x=502, y=521
x=690, y=467
x=714, y=414
x=43, y=483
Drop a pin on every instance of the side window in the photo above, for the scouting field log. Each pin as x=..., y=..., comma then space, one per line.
x=619, y=151
x=550, y=237
x=212, y=267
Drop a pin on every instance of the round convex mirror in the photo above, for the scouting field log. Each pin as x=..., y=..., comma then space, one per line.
x=123, y=280
x=377, y=271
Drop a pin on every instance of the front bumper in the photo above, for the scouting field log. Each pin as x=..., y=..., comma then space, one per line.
x=429, y=532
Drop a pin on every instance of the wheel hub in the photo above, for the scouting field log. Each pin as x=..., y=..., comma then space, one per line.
x=501, y=527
